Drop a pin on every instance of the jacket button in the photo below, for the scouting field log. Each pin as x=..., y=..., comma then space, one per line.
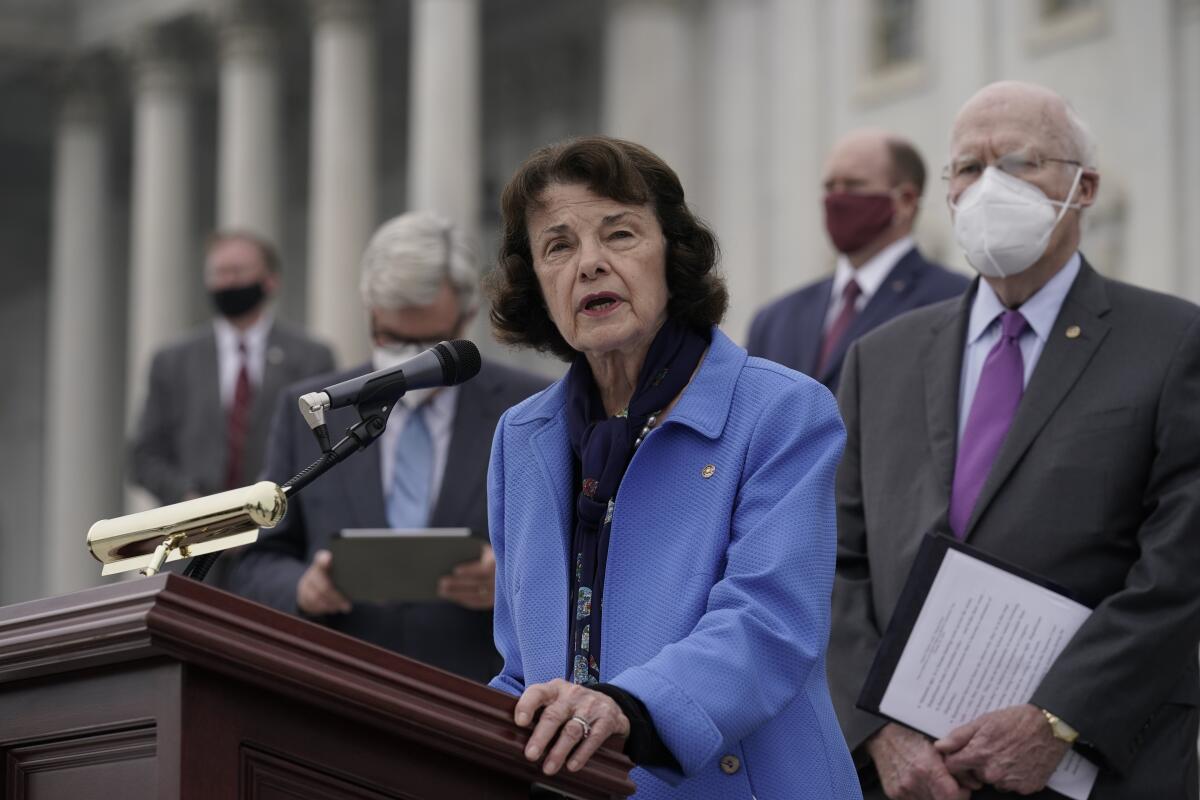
x=730, y=764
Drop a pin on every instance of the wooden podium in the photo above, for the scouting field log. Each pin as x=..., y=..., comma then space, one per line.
x=168, y=689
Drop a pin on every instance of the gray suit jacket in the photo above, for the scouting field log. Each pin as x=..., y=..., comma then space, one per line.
x=1096, y=487
x=179, y=445
x=351, y=496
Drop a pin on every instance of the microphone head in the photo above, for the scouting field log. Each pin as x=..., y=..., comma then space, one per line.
x=460, y=361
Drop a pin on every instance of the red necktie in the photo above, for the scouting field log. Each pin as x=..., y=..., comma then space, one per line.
x=237, y=422
x=837, y=331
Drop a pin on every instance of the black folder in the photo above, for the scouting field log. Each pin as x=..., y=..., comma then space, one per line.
x=912, y=598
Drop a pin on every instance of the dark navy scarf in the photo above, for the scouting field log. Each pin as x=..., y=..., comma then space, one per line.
x=603, y=448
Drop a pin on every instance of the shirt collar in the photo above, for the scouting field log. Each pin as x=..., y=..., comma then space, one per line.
x=255, y=337
x=871, y=275
x=1039, y=311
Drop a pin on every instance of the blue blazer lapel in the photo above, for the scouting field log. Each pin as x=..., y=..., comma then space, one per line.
x=554, y=459
x=1061, y=363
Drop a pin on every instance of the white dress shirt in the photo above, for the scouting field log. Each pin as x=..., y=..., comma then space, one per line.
x=229, y=361
x=983, y=329
x=439, y=417
x=869, y=277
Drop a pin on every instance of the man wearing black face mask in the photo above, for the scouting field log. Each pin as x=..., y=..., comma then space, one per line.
x=873, y=185
x=204, y=425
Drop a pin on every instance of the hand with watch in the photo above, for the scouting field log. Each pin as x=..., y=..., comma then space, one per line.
x=1014, y=749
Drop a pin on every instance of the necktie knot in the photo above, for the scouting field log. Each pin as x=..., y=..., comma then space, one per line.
x=851, y=292
x=1013, y=325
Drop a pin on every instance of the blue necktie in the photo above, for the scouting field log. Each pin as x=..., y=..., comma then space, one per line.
x=412, y=468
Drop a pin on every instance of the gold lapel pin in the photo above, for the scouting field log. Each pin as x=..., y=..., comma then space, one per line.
x=708, y=471
x=1073, y=332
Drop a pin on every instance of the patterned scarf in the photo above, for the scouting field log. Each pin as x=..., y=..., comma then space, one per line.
x=603, y=448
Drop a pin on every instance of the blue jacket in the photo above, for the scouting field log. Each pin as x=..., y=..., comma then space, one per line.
x=790, y=329
x=717, y=585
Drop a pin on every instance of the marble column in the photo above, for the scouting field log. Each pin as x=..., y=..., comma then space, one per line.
x=736, y=196
x=342, y=207
x=250, y=145
x=444, y=141
x=649, y=82
x=799, y=129
x=162, y=256
x=84, y=380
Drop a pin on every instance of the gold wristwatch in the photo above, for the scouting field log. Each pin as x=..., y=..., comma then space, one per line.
x=1061, y=730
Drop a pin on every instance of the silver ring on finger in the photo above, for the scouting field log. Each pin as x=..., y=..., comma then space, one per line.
x=583, y=723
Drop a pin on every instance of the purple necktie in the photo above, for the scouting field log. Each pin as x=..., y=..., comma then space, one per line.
x=840, y=325
x=1001, y=384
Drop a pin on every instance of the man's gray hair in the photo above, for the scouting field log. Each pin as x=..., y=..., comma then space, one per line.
x=1080, y=136
x=410, y=256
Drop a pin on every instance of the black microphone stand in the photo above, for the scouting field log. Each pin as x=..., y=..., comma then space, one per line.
x=373, y=412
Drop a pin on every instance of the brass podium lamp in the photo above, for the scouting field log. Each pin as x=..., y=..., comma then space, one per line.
x=149, y=539
x=205, y=526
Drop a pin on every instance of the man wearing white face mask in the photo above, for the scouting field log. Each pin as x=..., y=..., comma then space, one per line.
x=1051, y=418
x=420, y=286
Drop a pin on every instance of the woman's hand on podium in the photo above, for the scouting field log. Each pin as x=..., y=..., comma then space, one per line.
x=581, y=718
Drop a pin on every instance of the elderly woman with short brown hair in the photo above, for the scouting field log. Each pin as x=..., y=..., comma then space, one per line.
x=663, y=516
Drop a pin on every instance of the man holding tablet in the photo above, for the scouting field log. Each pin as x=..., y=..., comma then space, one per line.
x=420, y=285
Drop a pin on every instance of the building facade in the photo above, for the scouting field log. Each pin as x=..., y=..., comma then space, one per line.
x=134, y=127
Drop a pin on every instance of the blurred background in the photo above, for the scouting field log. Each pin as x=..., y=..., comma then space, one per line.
x=131, y=128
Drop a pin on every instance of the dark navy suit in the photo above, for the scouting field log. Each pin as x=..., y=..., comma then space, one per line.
x=351, y=496
x=790, y=329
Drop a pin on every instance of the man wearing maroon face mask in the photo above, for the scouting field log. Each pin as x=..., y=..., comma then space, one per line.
x=873, y=184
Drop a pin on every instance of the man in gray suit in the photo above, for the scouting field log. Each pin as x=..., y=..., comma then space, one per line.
x=204, y=425
x=420, y=285
x=1051, y=418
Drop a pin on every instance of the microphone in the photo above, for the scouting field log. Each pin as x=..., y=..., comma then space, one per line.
x=444, y=364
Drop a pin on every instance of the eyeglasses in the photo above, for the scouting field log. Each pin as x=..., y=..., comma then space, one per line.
x=391, y=339
x=963, y=171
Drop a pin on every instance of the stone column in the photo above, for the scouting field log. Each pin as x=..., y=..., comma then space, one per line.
x=84, y=379
x=649, y=81
x=799, y=128
x=342, y=208
x=735, y=197
x=162, y=258
x=444, y=140
x=250, y=138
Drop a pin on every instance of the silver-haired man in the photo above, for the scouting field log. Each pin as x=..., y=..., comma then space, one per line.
x=420, y=286
x=1049, y=419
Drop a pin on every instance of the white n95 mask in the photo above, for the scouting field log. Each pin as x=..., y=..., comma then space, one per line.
x=1003, y=224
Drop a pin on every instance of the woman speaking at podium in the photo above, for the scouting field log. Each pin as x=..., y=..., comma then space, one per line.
x=663, y=516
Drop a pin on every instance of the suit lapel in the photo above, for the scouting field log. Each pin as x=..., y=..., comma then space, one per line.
x=361, y=479
x=212, y=410
x=943, y=373
x=553, y=454
x=811, y=322
x=273, y=379
x=1061, y=363
x=884, y=304
x=470, y=445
